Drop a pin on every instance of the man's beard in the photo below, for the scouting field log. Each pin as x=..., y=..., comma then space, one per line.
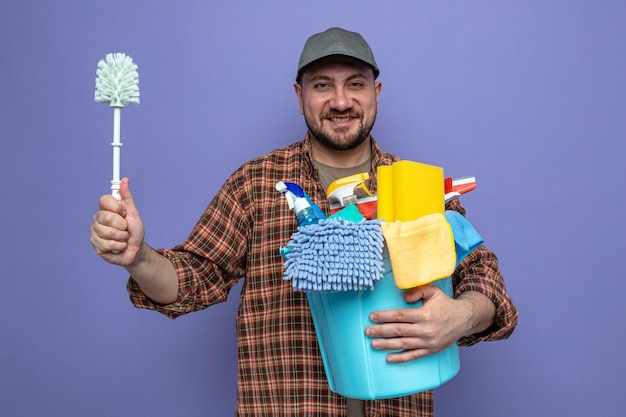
x=339, y=142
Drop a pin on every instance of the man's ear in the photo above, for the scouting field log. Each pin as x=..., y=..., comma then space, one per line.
x=297, y=87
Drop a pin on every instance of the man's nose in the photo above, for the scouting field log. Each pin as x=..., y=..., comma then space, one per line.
x=340, y=101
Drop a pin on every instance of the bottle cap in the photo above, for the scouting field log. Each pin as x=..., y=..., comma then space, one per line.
x=300, y=204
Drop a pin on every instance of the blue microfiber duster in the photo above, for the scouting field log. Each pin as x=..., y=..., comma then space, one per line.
x=335, y=255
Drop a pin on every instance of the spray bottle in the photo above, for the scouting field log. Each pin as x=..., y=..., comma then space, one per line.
x=306, y=212
x=346, y=191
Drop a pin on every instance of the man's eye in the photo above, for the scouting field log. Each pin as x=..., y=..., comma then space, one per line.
x=321, y=86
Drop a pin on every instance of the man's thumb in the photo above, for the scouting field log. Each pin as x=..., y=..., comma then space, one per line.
x=126, y=195
x=423, y=292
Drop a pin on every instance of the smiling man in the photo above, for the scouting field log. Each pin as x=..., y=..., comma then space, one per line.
x=280, y=370
x=339, y=100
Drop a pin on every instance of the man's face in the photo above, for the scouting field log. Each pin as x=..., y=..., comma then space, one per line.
x=339, y=100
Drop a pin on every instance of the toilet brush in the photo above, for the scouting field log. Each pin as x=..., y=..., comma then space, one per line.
x=117, y=83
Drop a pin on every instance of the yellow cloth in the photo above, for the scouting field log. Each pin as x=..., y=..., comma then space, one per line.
x=421, y=250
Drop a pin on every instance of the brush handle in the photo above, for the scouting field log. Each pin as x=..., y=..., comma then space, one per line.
x=117, y=144
x=115, y=182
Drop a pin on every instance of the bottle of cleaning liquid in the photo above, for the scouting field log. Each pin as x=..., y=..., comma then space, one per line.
x=353, y=189
x=298, y=201
x=306, y=213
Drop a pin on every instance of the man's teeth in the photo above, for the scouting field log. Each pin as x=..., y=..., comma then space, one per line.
x=340, y=119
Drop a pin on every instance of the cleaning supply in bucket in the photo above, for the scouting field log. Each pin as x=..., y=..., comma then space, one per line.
x=421, y=250
x=408, y=190
x=341, y=253
x=466, y=238
x=335, y=255
x=353, y=368
x=306, y=212
x=352, y=190
x=454, y=187
x=428, y=248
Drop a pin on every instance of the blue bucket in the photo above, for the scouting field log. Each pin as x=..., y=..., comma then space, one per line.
x=353, y=368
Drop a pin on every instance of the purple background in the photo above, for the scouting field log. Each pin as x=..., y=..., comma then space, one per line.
x=528, y=96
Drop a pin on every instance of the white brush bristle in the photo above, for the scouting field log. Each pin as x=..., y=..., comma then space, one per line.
x=117, y=81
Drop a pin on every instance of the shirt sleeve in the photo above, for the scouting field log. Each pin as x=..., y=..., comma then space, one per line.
x=209, y=262
x=480, y=272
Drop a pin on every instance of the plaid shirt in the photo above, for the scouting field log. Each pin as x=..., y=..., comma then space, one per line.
x=280, y=371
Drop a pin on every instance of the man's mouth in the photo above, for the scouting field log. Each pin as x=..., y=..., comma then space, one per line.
x=341, y=119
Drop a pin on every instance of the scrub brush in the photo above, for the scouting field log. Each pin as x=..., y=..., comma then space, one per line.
x=117, y=83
